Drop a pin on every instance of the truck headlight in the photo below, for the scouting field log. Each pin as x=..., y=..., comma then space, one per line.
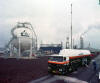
x=60, y=69
x=49, y=67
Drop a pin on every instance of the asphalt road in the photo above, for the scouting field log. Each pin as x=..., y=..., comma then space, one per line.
x=82, y=75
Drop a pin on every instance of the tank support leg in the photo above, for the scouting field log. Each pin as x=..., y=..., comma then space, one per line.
x=10, y=49
x=30, y=49
x=19, y=48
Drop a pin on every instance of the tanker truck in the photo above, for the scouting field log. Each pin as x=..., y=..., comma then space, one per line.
x=68, y=60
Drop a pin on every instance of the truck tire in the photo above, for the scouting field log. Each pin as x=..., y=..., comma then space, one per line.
x=64, y=71
x=70, y=69
x=84, y=62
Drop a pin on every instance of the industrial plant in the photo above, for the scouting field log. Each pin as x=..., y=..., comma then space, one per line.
x=50, y=41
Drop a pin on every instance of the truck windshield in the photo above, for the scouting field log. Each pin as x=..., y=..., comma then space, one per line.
x=56, y=58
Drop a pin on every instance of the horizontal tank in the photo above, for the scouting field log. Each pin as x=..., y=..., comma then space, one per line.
x=74, y=52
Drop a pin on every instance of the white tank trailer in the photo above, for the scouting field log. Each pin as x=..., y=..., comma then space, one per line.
x=23, y=38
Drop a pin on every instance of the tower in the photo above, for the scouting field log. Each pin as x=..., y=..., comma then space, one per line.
x=67, y=43
x=81, y=43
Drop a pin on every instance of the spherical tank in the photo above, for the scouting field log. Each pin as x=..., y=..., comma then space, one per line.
x=22, y=36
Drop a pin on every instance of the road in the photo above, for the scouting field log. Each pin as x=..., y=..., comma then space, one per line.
x=82, y=75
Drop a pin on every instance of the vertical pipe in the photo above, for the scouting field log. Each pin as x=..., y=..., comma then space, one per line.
x=10, y=49
x=81, y=42
x=36, y=43
x=71, y=27
x=73, y=44
x=30, y=48
x=35, y=36
x=19, y=47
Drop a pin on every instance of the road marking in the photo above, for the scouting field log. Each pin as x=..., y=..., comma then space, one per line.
x=71, y=79
x=50, y=80
x=40, y=79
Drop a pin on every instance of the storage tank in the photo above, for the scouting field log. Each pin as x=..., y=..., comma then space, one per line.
x=74, y=52
x=23, y=37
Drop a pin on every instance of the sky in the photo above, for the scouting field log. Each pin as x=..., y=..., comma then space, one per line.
x=51, y=20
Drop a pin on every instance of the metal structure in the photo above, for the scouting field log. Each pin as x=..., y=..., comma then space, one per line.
x=23, y=38
x=67, y=43
x=81, y=42
x=50, y=48
x=71, y=28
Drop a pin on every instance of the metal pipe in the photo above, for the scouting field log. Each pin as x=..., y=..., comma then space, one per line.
x=71, y=27
x=35, y=35
x=11, y=49
x=31, y=49
x=19, y=48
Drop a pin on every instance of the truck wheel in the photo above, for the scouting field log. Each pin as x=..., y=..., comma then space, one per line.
x=84, y=62
x=64, y=71
x=70, y=69
x=88, y=61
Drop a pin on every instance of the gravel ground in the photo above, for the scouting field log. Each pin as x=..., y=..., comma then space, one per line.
x=14, y=70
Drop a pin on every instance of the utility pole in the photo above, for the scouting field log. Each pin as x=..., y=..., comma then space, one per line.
x=71, y=27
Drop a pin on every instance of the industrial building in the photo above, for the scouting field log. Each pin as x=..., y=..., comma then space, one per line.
x=50, y=48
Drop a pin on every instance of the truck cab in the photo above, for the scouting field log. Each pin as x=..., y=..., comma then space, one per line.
x=57, y=64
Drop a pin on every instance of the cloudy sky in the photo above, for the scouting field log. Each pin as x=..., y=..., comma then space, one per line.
x=51, y=19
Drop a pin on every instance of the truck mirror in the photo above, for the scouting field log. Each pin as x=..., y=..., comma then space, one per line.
x=64, y=58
